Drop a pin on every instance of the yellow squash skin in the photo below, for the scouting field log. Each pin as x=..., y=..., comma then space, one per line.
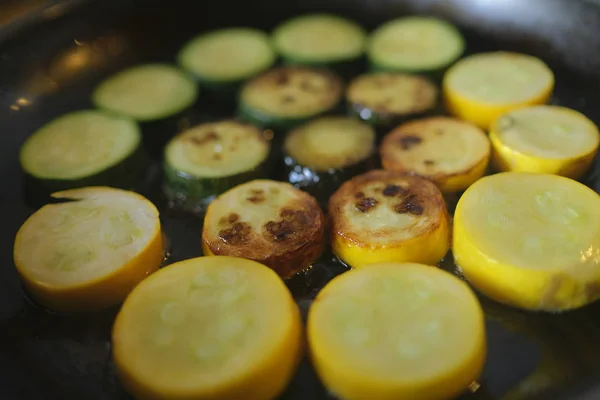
x=369, y=332
x=158, y=355
x=508, y=158
x=101, y=292
x=561, y=278
x=401, y=236
x=466, y=105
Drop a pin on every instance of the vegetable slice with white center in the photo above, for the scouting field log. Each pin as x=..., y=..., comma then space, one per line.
x=322, y=40
x=482, y=87
x=208, y=328
x=530, y=240
x=285, y=97
x=210, y=158
x=450, y=152
x=266, y=221
x=323, y=153
x=415, y=44
x=88, y=253
x=222, y=59
x=83, y=148
x=386, y=216
x=546, y=139
x=146, y=92
x=397, y=331
x=385, y=99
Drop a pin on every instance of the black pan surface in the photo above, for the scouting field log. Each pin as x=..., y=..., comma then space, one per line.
x=50, y=62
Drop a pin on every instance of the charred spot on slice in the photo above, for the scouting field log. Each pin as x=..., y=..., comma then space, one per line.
x=238, y=233
x=409, y=141
x=257, y=191
x=217, y=157
x=308, y=87
x=199, y=141
x=289, y=226
x=233, y=217
x=428, y=162
x=282, y=78
x=365, y=204
x=393, y=190
x=257, y=198
x=409, y=205
x=359, y=195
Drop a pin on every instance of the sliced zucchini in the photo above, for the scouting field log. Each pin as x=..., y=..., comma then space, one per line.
x=208, y=328
x=384, y=216
x=530, y=240
x=320, y=40
x=450, y=152
x=415, y=44
x=146, y=92
x=386, y=99
x=545, y=139
x=89, y=253
x=221, y=60
x=82, y=148
x=482, y=87
x=208, y=159
x=266, y=221
x=323, y=153
x=285, y=97
x=397, y=331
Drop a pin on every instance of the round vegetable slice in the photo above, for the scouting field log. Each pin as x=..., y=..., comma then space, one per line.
x=208, y=159
x=208, y=328
x=323, y=153
x=397, y=331
x=415, y=44
x=546, y=139
x=267, y=221
x=79, y=145
x=224, y=58
x=88, y=253
x=450, y=152
x=146, y=92
x=482, y=87
x=385, y=99
x=285, y=97
x=386, y=216
x=319, y=40
x=530, y=240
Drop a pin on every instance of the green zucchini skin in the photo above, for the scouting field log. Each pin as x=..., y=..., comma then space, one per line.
x=125, y=175
x=191, y=194
x=322, y=184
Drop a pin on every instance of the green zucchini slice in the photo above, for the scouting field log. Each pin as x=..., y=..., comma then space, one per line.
x=82, y=148
x=319, y=40
x=322, y=154
x=210, y=158
x=415, y=44
x=285, y=97
x=221, y=60
x=146, y=92
x=386, y=99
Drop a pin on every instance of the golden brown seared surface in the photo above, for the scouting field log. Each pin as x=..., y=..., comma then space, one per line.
x=267, y=221
x=383, y=208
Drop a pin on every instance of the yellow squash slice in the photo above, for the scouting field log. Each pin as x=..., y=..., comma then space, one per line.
x=546, y=139
x=530, y=240
x=385, y=216
x=88, y=253
x=266, y=221
x=450, y=152
x=208, y=328
x=397, y=331
x=482, y=87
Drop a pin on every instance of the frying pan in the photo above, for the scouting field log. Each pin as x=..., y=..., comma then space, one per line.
x=51, y=58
